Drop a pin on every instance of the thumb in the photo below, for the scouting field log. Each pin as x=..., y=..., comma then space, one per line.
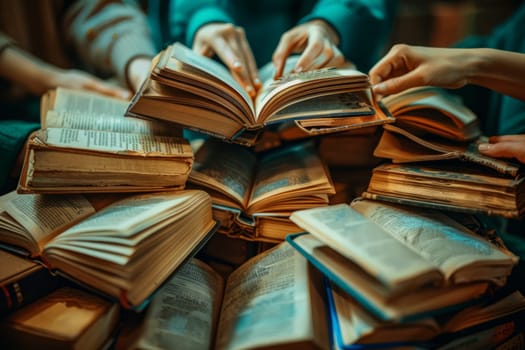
x=397, y=84
x=503, y=150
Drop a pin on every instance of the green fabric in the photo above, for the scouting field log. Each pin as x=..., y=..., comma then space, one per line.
x=363, y=26
x=13, y=134
x=500, y=115
x=17, y=121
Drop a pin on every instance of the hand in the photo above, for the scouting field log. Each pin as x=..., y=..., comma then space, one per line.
x=318, y=43
x=507, y=146
x=229, y=43
x=77, y=79
x=405, y=66
x=137, y=71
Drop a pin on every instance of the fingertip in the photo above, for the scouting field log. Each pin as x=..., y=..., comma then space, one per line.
x=379, y=88
x=250, y=90
x=484, y=147
x=236, y=66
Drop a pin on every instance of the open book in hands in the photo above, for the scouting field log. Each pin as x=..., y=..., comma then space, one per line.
x=123, y=248
x=400, y=263
x=254, y=194
x=87, y=145
x=274, y=300
x=197, y=92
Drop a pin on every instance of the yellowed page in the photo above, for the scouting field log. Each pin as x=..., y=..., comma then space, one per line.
x=288, y=172
x=455, y=250
x=359, y=326
x=88, y=102
x=115, y=142
x=183, y=314
x=210, y=67
x=43, y=216
x=266, y=302
x=368, y=245
x=76, y=119
x=226, y=168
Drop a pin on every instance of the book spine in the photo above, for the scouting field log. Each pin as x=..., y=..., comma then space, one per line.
x=26, y=290
x=502, y=167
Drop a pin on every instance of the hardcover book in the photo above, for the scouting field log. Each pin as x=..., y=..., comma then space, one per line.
x=275, y=300
x=198, y=93
x=448, y=185
x=483, y=325
x=22, y=281
x=398, y=263
x=67, y=318
x=87, y=145
x=254, y=194
x=124, y=249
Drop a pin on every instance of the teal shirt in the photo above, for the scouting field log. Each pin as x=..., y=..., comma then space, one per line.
x=500, y=114
x=363, y=26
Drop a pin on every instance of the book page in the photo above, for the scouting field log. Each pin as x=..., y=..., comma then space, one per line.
x=356, y=325
x=286, y=170
x=88, y=102
x=43, y=216
x=78, y=119
x=183, y=313
x=266, y=301
x=114, y=142
x=224, y=167
x=296, y=87
x=439, y=239
x=209, y=66
x=434, y=110
x=369, y=246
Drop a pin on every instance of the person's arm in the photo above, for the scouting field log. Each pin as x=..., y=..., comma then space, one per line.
x=407, y=66
x=37, y=76
x=338, y=30
x=110, y=36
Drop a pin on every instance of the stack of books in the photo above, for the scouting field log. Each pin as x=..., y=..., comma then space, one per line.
x=255, y=189
x=111, y=229
x=401, y=276
x=434, y=162
x=100, y=220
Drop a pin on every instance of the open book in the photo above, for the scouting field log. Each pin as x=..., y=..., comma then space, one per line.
x=274, y=300
x=397, y=263
x=486, y=324
x=451, y=185
x=124, y=249
x=430, y=110
x=253, y=194
x=87, y=145
x=197, y=92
